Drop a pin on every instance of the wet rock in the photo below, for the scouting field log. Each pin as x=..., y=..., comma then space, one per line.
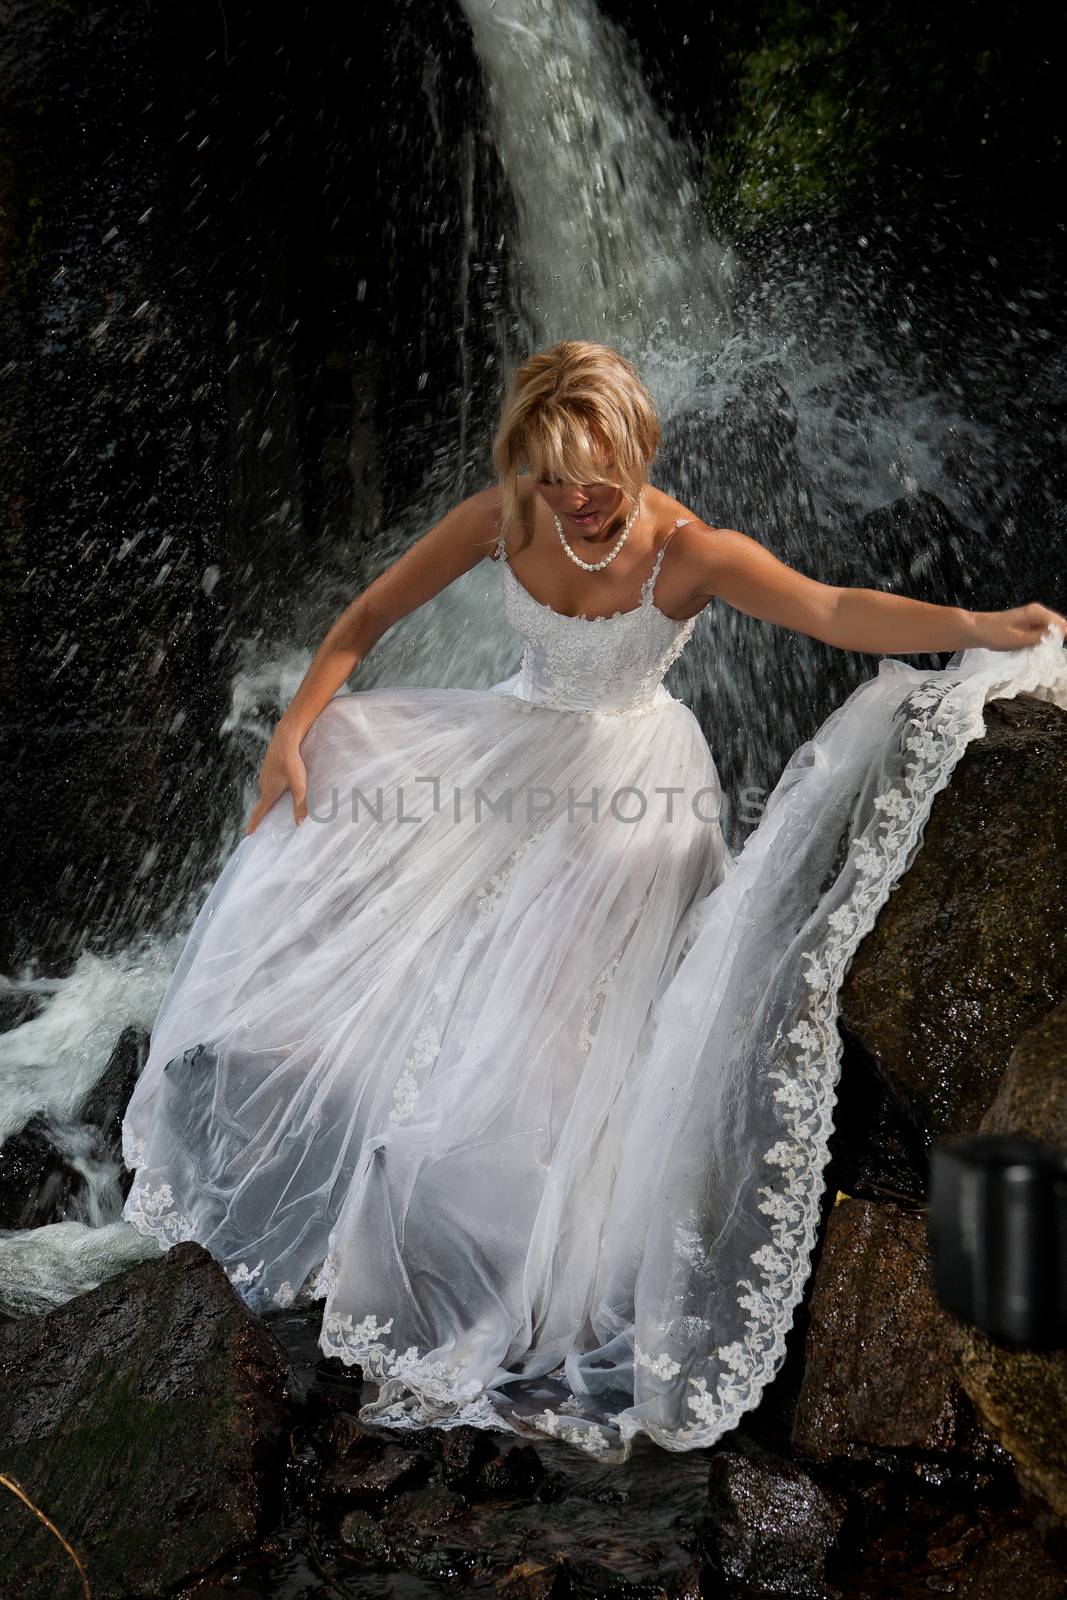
x=148, y=1419
x=18, y=1004
x=427, y=1507
x=107, y=1100
x=347, y=1441
x=1014, y=1562
x=770, y=1524
x=362, y=1535
x=464, y=1451
x=878, y=1372
x=378, y=1480
x=534, y=1580
x=517, y=1470
x=1031, y=1097
x=876, y=1150
x=970, y=950
x=953, y=1542
x=1021, y=1397
x=117, y=512
x=38, y=1186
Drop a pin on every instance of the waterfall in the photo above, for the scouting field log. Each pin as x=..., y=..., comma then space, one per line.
x=612, y=243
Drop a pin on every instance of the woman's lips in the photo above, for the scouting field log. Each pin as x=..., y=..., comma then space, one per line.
x=583, y=521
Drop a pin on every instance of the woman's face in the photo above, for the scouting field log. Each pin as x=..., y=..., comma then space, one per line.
x=587, y=509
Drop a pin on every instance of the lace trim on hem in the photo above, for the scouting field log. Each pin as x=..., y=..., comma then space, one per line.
x=945, y=723
x=414, y=1392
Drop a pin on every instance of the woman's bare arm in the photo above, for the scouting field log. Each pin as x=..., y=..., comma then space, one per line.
x=735, y=568
x=453, y=546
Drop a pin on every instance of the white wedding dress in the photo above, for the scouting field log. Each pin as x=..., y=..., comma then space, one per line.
x=536, y=1099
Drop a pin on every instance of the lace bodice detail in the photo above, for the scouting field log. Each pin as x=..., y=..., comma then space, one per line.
x=614, y=663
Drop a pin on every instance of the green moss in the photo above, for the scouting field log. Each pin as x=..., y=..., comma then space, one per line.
x=73, y=1489
x=821, y=108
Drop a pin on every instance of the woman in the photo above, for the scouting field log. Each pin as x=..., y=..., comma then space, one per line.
x=482, y=1036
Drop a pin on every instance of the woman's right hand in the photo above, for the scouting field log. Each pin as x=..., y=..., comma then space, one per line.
x=283, y=769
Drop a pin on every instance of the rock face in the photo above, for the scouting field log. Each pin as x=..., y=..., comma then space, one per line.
x=145, y=1419
x=37, y=1184
x=1032, y=1095
x=955, y=1022
x=879, y=1371
x=1022, y=1394
x=970, y=951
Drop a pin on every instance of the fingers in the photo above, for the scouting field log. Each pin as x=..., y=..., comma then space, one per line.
x=257, y=815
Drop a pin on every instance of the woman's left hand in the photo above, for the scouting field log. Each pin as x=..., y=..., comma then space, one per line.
x=1012, y=630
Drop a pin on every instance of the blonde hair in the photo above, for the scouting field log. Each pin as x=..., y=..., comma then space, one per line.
x=576, y=411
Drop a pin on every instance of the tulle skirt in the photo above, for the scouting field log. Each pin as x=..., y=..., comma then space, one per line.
x=502, y=1057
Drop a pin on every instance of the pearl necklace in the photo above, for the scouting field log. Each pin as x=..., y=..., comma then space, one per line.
x=594, y=566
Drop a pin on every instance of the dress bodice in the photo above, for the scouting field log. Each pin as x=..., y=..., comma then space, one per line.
x=614, y=663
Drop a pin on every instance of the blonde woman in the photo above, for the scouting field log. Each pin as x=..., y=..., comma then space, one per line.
x=483, y=1038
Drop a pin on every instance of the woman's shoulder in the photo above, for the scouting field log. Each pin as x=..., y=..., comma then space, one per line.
x=676, y=524
x=675, y=518
x=487, y=507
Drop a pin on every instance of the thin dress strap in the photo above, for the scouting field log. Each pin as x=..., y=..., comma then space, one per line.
x=649, y=585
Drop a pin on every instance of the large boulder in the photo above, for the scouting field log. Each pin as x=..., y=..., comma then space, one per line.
x=1021, y=1395
x=878, y=1374
x=147, y=1420
x=970, y=950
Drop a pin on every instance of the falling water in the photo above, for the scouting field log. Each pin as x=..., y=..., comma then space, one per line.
x=612, y=244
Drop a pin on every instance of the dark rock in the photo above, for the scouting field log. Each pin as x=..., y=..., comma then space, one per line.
x=517, y=1470
x=464, y=1451
x=770, y=1524
x=1021, y=1396
x=115, y=512
x=348, y=1441
x=148, y=1419
x=876, y=1150
x=953, y=1542
x=378, y=1480
x=879, y=1347
x=363, y=1536
x=1014, y=1562
x=427, y=1507
x=38, y=1186
x=1031, y=1097
x=535, y=1580
x=108, y=1098
x=18, y=1005
x=970, y=950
